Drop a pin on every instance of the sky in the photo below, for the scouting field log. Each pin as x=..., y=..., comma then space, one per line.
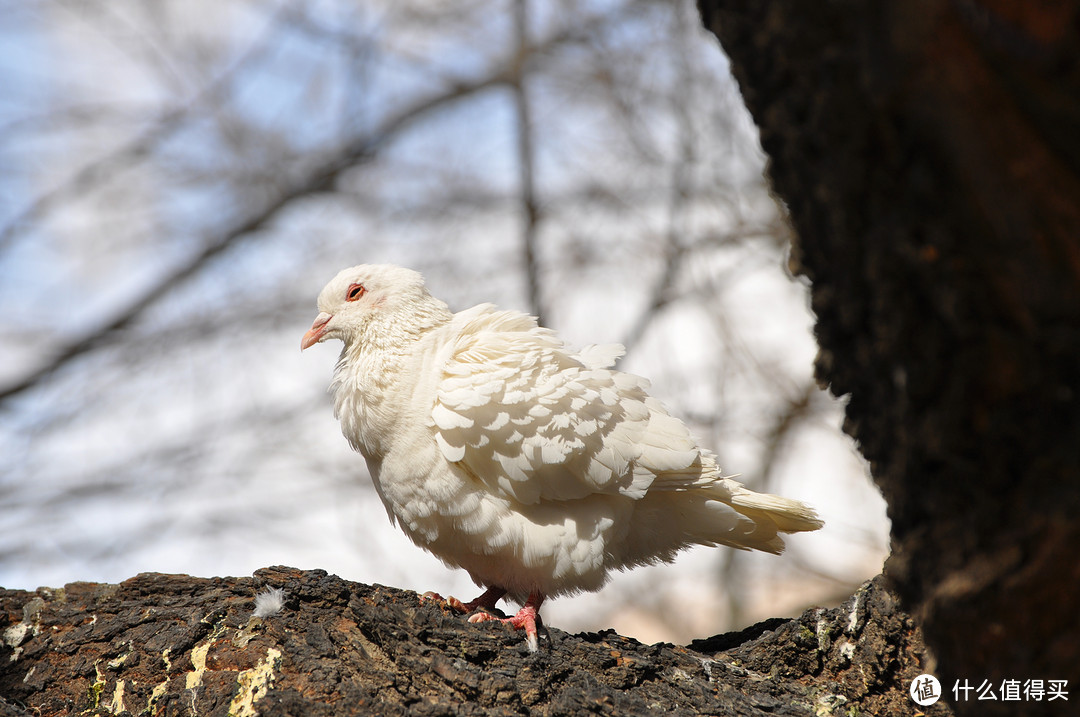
x=199, y=440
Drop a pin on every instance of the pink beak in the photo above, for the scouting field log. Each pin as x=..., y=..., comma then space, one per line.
x=316, y=332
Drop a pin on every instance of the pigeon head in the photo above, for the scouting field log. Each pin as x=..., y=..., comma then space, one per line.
x=373, y=297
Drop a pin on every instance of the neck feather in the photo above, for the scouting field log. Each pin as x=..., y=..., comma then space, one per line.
x=369, y=388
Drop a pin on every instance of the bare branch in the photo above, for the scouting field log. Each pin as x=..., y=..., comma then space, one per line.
x=135, y=151
x=674, y=249
x=319, y=179
x=526, y=164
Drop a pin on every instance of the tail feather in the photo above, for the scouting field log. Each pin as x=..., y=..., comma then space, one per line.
x=789, y=516
x=723, y=512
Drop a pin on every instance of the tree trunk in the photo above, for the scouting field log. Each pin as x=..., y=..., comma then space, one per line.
x=928, y=153
x=177, y=645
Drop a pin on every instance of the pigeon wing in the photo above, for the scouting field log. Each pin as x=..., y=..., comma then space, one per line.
x=532, y=421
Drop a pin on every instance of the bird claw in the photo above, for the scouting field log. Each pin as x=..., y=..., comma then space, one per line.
x=451, y=602
x=525, y=619
x=484, y=607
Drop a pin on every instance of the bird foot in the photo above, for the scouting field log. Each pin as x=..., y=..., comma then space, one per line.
x=486, y=601
x=525, y=619
x=451, y=602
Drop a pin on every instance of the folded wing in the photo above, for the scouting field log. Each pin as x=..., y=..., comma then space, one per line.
x=532, y=421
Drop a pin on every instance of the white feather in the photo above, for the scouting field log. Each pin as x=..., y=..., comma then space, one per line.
x=269, y=602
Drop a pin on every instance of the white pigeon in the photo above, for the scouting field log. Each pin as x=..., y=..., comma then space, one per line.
x=537, y=469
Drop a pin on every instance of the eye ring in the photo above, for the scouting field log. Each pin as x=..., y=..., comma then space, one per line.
x=354, y=292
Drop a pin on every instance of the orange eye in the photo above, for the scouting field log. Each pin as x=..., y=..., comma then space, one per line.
x=355, y=292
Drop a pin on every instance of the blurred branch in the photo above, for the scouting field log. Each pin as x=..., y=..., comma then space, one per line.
x=135, y=151
x=674, y=242
x=661, y=293
x=118, y=29
x=795, y=411
x=526, y=164
x=606, y=148
x=319, y=179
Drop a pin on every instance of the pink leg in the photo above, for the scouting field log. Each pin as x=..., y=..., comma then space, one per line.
x=486, y=601
x=525, y=619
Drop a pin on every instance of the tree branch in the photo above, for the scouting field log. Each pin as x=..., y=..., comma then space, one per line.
x=317, y=180
x=128, y=155
x=526, y=164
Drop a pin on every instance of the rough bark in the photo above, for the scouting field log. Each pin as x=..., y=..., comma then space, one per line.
x=178, y=645
x=929, y=155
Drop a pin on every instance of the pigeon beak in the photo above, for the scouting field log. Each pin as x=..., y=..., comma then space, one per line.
x=317, y=331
